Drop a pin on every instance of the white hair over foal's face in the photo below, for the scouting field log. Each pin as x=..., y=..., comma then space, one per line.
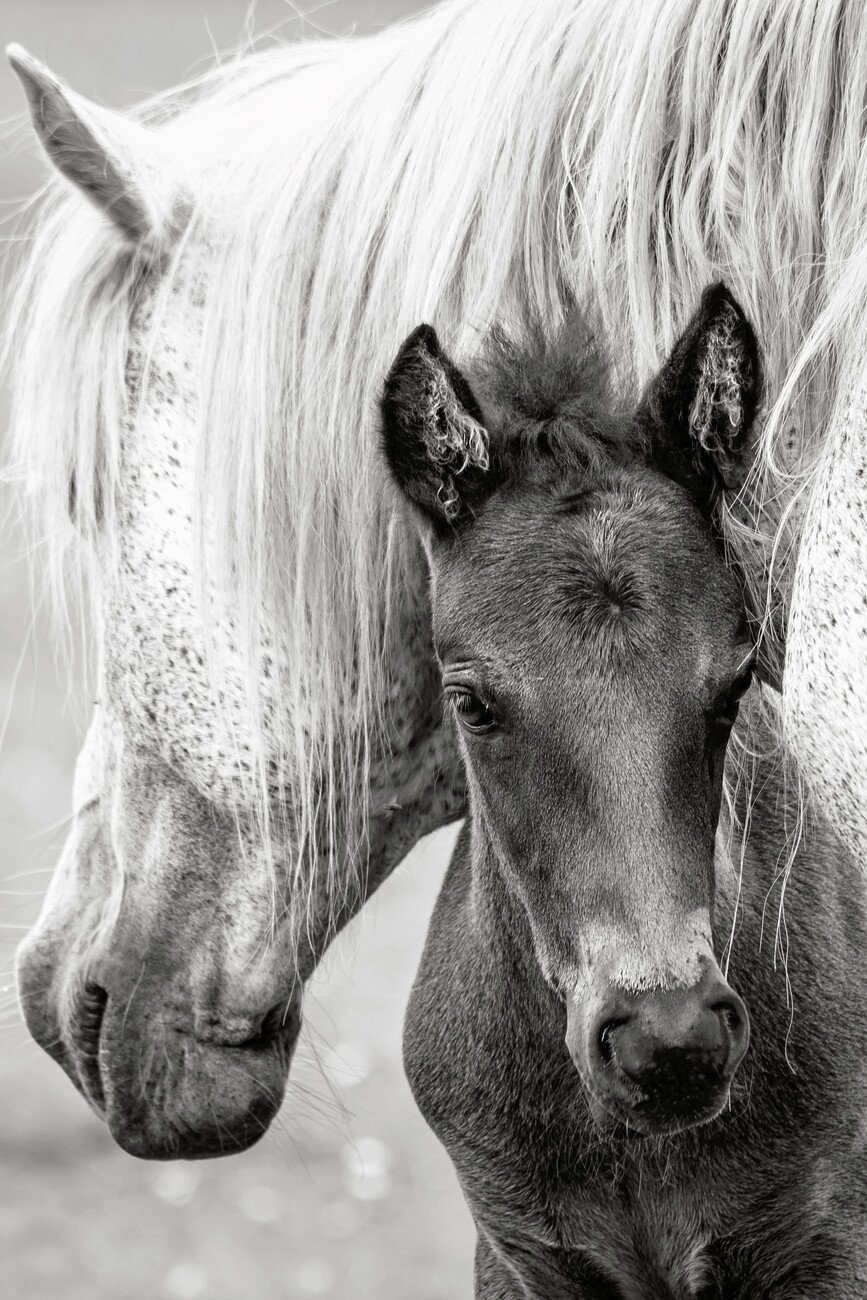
x=166, y=970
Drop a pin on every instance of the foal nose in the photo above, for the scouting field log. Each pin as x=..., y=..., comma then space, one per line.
x=670, y=1053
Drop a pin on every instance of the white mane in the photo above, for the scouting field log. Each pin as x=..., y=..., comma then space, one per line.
x=493, y=157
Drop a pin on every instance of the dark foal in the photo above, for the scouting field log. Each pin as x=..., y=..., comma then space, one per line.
x=571, y=1037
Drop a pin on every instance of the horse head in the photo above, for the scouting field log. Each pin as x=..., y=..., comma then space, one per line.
x=223, y=832
x=155, y=975
x=594, y=648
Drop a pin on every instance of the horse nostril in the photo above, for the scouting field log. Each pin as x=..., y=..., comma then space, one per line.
x=274, y=1023
x=87, y=1028
x=91, y=1010
x=249, y=1030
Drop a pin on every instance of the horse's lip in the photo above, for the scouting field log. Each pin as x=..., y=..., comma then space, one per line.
x=161, y=1117
x=197, y=1098
x=88, y=1016
x=632, y=1121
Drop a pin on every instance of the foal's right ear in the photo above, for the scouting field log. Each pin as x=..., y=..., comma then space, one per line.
x=434, y=438
x=113, y=161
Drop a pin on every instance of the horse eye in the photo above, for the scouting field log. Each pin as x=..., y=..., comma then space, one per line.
x=727, y=710
x=473, y=712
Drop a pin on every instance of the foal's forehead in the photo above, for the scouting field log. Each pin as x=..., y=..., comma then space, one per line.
x=614, y=562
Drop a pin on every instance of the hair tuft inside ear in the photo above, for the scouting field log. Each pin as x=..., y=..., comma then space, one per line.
x=434, y=440
x=698, y=411
x=726, y=387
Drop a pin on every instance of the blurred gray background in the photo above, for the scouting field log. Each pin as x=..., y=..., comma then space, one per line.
x=349, y=1195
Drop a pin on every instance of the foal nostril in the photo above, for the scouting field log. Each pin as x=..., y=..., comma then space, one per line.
x=661, y=1057
x=605, y=1040
x=735, y=1023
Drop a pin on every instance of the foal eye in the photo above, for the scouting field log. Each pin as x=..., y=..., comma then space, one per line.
x=472, y=712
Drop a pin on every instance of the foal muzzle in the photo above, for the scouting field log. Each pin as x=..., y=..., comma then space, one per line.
x=661, y=1060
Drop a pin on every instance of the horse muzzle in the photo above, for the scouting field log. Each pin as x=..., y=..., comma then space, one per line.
x=171, y=1081
x=661, y=1060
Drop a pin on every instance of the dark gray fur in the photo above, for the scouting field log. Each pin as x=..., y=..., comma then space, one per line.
x=772, y=1195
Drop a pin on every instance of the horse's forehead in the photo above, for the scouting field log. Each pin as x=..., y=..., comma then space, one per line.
x=154, y=636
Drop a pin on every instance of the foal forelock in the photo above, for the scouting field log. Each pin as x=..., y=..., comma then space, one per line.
x=489, y=158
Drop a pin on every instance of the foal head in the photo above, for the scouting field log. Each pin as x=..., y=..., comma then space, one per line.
x=594, y=648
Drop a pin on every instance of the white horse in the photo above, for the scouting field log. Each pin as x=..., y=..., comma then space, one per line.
x=214, y=291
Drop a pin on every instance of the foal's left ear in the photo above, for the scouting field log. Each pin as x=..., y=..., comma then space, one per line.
x=434, y=438
x=698, y=411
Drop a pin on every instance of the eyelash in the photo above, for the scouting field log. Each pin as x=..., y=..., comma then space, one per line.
x=474, y=713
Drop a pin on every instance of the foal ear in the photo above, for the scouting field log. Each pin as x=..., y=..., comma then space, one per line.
x=435, y=442
x=698, y=411
x=113, y=161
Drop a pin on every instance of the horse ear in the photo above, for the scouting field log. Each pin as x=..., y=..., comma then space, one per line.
x=434, y=438
x=698, y=411
x=113, y=161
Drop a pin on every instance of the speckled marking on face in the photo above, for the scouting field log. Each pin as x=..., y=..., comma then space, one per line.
x=825, y=682
x=165, y=870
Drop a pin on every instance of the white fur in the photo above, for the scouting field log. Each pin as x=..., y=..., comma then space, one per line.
x=667, y=952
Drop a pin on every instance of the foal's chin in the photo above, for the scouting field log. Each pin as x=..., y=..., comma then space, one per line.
x=646, y=1120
